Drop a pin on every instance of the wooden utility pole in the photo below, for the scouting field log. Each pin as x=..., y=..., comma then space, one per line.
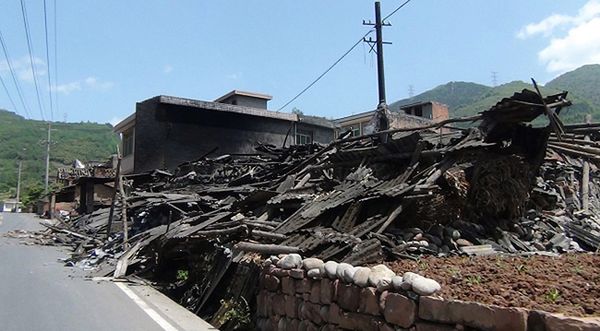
x=111, y=212
x=47, y=158
x=381, y=120
x=378, y=44
x=19, y=186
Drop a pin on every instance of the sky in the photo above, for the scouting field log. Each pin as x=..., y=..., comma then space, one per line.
x=112, y=54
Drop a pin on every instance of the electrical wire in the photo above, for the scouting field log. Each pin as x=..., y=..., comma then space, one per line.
x=326, y=71
x=56, y=56
x=395, y=10
x=14, y=77
x=29, y=48
x=8, y=94
x=48, y=62
x=341, y=58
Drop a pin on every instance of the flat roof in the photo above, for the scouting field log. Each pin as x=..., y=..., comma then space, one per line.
x=245, y=94
x=227, y=108
x=355, y=116
x=125, y=124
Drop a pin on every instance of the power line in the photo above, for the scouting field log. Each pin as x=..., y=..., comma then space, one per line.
x=395, y=10
x=29, y=48
x=48, y=62
x=56, y=55
x=14, y=77
x=326, y=71
x=340, y=59
x=8, y=94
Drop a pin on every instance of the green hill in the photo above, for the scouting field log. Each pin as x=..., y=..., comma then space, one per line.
x=25, y=139
x=466, y=99
x=584, y=82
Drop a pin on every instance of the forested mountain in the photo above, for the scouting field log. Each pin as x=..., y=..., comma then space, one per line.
x=466, y=99
x=24, y=139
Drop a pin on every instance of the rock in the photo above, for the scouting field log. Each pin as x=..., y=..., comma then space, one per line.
x=379, y=272
x=288, y=285
x=271, y=283
x=297, y=273
x=399, y=310
x=312, y=263
x=423, y=243
x=425, y=286
x=384, y=284
x=274, y=259
x=348, y=297
x=418, y=237
x=348, y=274
x=330, y=269
x=314, y=273
x=369, y=302
x=472, y=314
x=397, y=283
x=361, y=276
x=463, y=242
x=291, y=306
x=409, y=276
x=406, y=286
x=315, y=292
x=341, y=268
x=329, y=290
x=290, y=261
x=267, y=263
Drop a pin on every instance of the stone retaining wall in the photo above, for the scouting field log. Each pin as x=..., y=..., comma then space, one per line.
x=288, y=299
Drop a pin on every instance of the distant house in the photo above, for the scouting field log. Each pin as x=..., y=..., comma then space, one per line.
x=406, y=116
x=9, y=205
x=166, y=131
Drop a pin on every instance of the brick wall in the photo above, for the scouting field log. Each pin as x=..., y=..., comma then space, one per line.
x=296, y=296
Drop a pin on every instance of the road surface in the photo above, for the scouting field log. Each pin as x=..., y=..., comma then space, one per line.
x=38, y=293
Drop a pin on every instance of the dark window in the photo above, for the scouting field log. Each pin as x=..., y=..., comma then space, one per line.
x=128, y=143
x=304, y=137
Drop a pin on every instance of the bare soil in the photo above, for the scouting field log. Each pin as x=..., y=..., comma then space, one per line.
x=568, y=284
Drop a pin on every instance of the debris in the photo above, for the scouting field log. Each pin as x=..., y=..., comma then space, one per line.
x=502, y=187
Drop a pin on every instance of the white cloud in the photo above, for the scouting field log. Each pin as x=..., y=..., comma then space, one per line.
x=67, y=88
x=572, y=40
x=89, y=83
x=167, y=69
x=22, y=68
x=234, y=76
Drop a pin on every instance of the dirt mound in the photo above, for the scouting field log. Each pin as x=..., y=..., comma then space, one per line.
x=568, y=284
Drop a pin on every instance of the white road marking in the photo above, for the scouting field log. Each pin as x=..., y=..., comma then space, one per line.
x=151, y=312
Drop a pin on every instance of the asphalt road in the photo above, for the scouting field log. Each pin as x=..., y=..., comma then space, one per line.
x=38, y=293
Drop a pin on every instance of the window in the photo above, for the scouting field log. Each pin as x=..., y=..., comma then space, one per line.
x=127, y=143
x=354, y=128
x=304, y=137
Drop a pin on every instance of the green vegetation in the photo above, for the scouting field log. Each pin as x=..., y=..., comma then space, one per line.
x=183, y=275
x=473, y=279
x=466, y=99
x=552, y=295
x=25, y=139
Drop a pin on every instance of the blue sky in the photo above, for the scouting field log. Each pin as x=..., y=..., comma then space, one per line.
x=112, y=54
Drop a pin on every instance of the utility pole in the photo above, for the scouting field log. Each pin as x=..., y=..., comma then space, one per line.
x=411, y=91
x=378, y=43
x=494, y=78
x=19, y=186
x=381, y=120
x=47, y=158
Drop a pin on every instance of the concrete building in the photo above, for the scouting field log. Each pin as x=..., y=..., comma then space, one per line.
x=407, y=116
x=9, y=205
x=166, y=131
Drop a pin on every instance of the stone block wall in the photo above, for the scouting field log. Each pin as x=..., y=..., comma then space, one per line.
x=296, y=297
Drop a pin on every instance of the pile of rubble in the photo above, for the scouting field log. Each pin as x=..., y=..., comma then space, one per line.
x=503, y=186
